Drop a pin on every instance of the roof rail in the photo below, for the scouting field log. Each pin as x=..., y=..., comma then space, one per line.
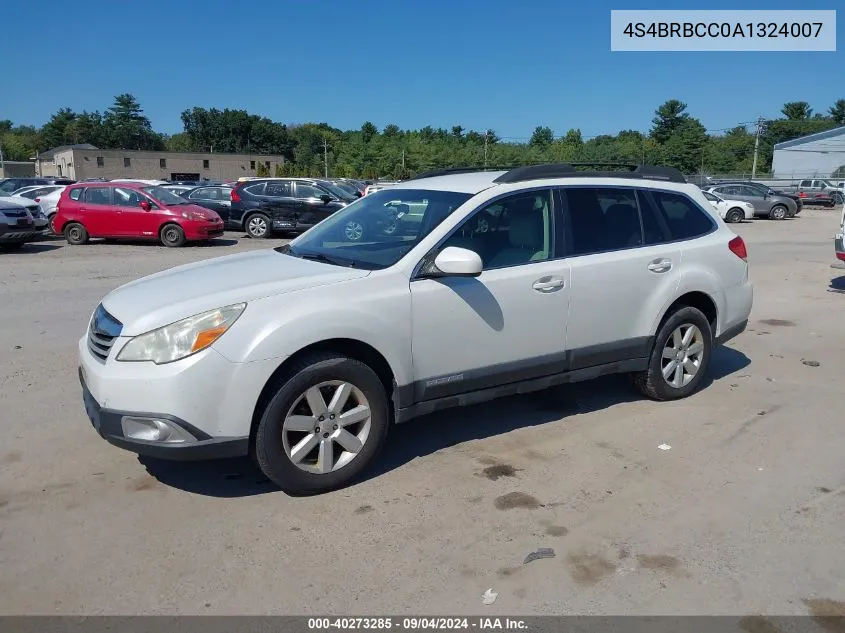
x=445, y=171
x=569, y=170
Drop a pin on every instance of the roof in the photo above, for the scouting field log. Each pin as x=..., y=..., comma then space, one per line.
x=61, y=148
x=818, y=136
x=464, y=183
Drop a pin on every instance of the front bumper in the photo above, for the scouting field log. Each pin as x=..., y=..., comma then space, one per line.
x=108, y=423
x=201, y=230
x=207, y=398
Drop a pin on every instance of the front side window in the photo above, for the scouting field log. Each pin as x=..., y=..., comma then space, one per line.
x=751, y=192
x=304, y=191
x=127, y=197
x=376, y=231
x=710, y=196
x=601, y=219
x=509, y=232
x=206, y=193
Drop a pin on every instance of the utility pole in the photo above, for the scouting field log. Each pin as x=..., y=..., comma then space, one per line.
x=326, y=157
x=485, y=150
x=403, y=162
x=2, y=161
x=756, y=148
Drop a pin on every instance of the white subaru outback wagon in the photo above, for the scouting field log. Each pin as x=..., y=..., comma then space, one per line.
x=449, y=289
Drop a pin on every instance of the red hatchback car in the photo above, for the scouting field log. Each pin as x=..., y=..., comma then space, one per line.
x=132, y=211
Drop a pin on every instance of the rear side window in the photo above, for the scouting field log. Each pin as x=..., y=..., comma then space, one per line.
x=601, y=219
x=674, y=216
x=98, y=195
x=75, y=194
x=278, y=189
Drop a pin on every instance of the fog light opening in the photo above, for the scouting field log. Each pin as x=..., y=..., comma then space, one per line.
x=153, y=430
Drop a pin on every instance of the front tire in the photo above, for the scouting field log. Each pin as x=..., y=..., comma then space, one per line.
x=680, y=357
x=778, y=212
x=257, y=226
x=734, y=215
x=837, y=198
x=325, y=423
x=75, y=234
x=172, y=236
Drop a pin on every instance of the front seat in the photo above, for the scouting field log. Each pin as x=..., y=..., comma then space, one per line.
x=526, y=238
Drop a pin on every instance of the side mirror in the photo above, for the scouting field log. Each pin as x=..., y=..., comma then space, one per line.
x=358, y=194
x=326, y=198
x=145, y=205
x=457, y=262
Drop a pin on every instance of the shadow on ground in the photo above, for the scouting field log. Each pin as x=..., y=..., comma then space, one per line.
x=32, y=248
x=239, y=477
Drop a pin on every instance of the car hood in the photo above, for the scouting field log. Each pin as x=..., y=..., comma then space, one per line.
x=206, y=214
x=177, y=293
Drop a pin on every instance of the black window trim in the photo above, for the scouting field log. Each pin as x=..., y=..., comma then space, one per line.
x=111, y=196
x=647, y=193
x=553, y=211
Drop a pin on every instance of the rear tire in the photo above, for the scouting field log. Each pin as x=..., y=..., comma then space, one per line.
x=257, y=226
x=50, y=227
x=75, y=234
x=291, y=426
x=778, y=212
x=172, y=236
x=734, y=215
x=837, y=198
x=663, y=380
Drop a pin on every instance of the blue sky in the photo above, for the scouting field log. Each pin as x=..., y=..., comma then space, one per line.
x=498, y=64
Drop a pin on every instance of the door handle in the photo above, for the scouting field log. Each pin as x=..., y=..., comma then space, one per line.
x=548, y=284
x=660, y=265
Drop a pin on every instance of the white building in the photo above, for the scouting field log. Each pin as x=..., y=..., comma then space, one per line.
x=816, y=155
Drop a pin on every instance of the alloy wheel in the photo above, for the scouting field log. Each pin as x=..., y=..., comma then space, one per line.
x=171, y=235
x=327, y=427
x=257, y=226
x=682, y=355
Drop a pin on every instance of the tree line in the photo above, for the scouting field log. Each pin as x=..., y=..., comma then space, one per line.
x=675, y=138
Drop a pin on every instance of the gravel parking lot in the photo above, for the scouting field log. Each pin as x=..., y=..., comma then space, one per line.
x=742, y=515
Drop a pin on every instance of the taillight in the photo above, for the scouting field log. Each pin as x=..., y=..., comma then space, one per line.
x=235, y=196
x=737, y=246
x=38, y=199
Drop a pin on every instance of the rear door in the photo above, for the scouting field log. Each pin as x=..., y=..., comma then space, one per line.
x=623, y=264
x=282, y=205
x=99, y=217
x=135, y=221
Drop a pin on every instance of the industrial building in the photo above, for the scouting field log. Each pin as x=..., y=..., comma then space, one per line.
x=817, y=155
x=85, y=161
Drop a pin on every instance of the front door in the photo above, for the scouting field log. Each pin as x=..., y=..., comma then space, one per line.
x=311, y=207
x=133, y=220
x=508, y=324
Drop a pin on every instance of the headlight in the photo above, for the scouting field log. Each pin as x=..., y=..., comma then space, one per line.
x=181, y=339
x=189, y=215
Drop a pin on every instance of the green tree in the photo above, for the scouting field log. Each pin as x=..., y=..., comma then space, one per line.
x=391, y=131
x=180, y=142
x=59, y=129
x=261, y=169
x=126, y=126
x=797, y=110
x=668, y=117
x=368, y=131
x=837, y=111
x=684, y=149
x=542, y=137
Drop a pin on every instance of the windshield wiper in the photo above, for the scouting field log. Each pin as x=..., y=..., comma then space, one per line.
x=326, y=259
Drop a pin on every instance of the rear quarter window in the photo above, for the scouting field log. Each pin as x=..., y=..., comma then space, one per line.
x=76, y=194
x=255, y=190
x=674, y=216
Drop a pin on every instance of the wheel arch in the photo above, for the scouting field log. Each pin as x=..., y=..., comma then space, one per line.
x=694, y=299
x=359, y=350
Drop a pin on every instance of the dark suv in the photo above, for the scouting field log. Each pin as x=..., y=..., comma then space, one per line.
x=294, y=205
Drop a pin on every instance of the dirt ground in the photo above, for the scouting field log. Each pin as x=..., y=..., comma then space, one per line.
x=743, y=515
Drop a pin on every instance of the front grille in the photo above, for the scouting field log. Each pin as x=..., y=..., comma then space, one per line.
x=103, y=331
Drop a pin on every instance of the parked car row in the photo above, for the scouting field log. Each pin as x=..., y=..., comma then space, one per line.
x=765, y=201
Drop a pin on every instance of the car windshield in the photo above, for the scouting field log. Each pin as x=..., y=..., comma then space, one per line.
x=164, y=196
x=378, y=230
